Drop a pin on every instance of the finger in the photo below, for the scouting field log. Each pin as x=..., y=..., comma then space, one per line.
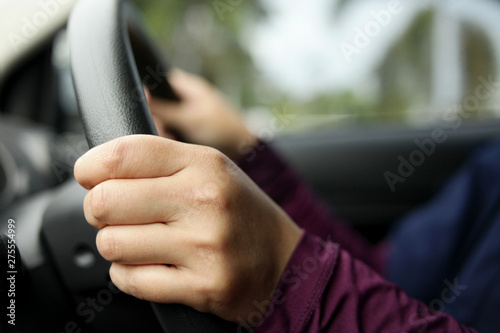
x=181, y=82
x=170, y=114
x=155, y=283
x=184, y=84
x=136, y=201
x=156, y=243
x=134, y=156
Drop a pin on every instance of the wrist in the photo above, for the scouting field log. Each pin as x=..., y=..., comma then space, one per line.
x=288, y=239
x=285, y=245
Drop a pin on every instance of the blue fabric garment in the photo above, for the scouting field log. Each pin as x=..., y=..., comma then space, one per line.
x=447, y=253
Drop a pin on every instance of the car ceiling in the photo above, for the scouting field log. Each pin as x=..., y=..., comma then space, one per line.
x=25, y=25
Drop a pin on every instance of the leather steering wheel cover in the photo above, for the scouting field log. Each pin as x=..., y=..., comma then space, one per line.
x=107, y=82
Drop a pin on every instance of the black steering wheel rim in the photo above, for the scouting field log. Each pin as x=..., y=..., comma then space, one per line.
x=111, y=59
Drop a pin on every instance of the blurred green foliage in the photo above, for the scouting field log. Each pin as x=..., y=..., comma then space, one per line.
x=204, y=38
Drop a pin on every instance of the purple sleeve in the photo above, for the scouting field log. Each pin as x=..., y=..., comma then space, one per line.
x=281, y=183
x=324, y=289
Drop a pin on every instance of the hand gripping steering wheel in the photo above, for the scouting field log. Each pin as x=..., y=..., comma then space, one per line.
x=111, y=59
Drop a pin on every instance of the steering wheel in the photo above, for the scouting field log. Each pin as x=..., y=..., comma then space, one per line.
x=111, y=59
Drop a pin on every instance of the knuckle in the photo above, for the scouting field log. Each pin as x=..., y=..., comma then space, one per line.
x=108, y=246
x=212, y=156
x=206, y=294
x=215, y=160
x=218, y=285
x=219, y=159
x=221, y=240
x=99, y=204
x=114, y=161
x=132, y=284
x=211, y=194
x=215, y=190
x=216, y=290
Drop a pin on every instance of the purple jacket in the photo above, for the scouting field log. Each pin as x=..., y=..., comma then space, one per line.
x=333, y=281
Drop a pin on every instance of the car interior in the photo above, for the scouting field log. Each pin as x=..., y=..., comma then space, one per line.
x=369, y=174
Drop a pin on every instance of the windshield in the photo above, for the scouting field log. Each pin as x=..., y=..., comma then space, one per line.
x=339, y=63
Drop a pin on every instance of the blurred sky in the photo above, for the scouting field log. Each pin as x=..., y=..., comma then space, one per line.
x=298, y=47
